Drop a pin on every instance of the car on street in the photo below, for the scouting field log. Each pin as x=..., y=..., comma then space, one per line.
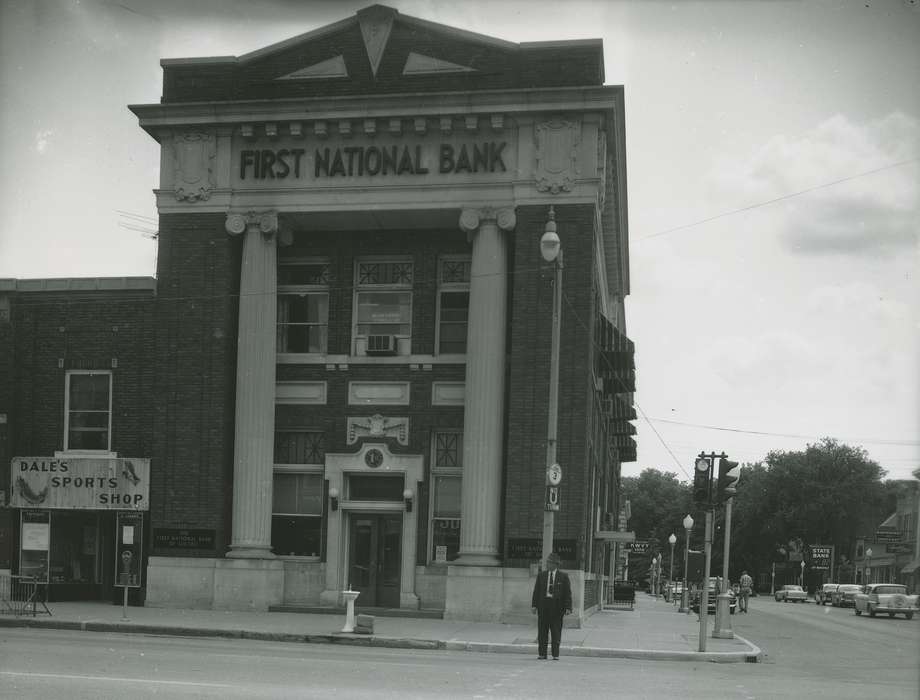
x=790, y=593
x=845, y=595
x=824, y=594
x=888, y=598
x=715, y=586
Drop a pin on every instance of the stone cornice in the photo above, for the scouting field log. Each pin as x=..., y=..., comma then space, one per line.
x=408, y=106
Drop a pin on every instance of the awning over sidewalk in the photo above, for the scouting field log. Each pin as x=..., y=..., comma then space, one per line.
x=617, y=350
x=911, y=567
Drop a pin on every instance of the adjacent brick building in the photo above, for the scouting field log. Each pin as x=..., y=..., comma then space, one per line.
x=341, y=376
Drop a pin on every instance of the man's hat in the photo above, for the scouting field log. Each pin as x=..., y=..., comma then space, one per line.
x=553, y=558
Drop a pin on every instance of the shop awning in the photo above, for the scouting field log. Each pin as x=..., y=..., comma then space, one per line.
x=911, y=567
x=617, y=350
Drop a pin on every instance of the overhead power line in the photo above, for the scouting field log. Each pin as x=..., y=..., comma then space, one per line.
x=875, y=441
x=779, y=199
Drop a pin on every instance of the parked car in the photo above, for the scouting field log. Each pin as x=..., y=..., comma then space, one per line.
x=845, y=595
x=790, y=593
x=824, y=594
x=888, y=598
x=715, y=586
x=674, y=590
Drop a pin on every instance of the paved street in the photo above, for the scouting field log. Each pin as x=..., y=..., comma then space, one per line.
x=809, y=652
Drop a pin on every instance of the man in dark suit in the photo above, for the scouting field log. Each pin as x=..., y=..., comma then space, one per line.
x=552, y=599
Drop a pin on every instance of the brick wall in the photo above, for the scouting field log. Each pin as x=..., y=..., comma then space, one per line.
x=528, y=383
x=195, y=368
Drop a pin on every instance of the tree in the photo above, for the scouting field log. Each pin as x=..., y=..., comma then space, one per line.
x=830, y=493
x=658, y=502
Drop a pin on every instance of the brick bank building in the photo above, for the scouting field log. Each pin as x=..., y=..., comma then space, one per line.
x=340, y=376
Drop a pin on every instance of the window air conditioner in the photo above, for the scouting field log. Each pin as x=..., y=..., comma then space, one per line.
x=381, y=345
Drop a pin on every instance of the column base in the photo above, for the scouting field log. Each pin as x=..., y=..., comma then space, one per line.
x=473, y=559
x=248, y=584
x=250, y=552
x=474, y=593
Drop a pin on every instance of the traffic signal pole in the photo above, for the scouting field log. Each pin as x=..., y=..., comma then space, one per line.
x=704, y=593
x=723, y=628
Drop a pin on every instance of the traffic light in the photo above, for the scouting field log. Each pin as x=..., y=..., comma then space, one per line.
x=729, y=473
x=702, y=478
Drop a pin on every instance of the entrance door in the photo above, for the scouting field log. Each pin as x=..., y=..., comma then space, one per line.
x=374, y=559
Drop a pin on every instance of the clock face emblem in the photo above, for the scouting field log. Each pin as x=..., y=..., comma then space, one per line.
x=554, y=475
x=373, y=458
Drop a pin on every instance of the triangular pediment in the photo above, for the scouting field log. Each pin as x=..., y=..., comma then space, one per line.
x=378, y=50
x=330, y=68
x=420, y=64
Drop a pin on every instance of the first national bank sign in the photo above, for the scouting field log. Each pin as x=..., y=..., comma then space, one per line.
x=80, y=483
x=371, y=160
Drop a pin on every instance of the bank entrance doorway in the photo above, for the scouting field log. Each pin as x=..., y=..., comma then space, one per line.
x=374, y=558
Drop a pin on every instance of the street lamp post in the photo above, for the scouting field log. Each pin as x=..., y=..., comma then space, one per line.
x=672, y=540
x=685, y=592
x=868, y=566
x=551, y=250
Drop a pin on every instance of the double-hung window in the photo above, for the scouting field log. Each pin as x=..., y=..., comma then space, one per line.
x=446, y=478
x=383, y=298
x=297, y=494
x=303, y=305
x=453, y=304
x=88, y=411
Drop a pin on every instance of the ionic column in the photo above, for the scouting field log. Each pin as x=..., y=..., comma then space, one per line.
x=484, y=410
x=255, y=385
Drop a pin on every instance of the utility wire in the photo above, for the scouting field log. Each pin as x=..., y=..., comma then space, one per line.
x=778, y=199
x=908, y=443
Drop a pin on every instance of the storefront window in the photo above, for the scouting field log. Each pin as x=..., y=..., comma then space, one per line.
x=74, y=548
x=297, y=510
x=447, y=464
x=297, y=494
x=89, y=406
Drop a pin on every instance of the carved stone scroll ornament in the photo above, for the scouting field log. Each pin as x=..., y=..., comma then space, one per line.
x=556, y=143
x=266, y=222
x=193, y=157
x=378, y=426
x=471, y=219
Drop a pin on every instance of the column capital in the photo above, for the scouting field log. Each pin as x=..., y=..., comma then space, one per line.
x=266, y=222
x=472, y=217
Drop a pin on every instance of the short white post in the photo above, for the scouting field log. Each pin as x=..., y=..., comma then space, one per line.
x=350, y=597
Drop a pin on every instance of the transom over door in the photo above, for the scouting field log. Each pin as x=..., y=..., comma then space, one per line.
x=374, y=560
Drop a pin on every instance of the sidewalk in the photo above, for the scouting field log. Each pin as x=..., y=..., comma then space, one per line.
x=653, y=630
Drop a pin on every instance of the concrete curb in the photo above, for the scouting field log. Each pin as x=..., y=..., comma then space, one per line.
x=752, y=655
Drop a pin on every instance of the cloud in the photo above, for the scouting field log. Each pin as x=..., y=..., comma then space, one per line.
x=873, y=205
x=43, y=140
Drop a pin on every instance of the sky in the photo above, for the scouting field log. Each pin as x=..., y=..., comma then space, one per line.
x=773, y=155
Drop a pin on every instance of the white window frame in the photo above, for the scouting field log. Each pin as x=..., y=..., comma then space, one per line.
x=359, y=338
x=436, y=473
x=449, y=287
x=107, y=452
x=298, y=469
x=305, y=290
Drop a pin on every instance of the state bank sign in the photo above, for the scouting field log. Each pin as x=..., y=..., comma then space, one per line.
x=80, y=483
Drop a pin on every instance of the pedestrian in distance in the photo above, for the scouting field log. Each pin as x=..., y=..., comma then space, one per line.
x=552, y=599
x=746, y=584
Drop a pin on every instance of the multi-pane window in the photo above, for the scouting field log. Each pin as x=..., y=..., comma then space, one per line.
x=446, y=471
x=298, y=492
x=383, y=298
x=303, y=305
x=453, y=304
x=88, y=411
